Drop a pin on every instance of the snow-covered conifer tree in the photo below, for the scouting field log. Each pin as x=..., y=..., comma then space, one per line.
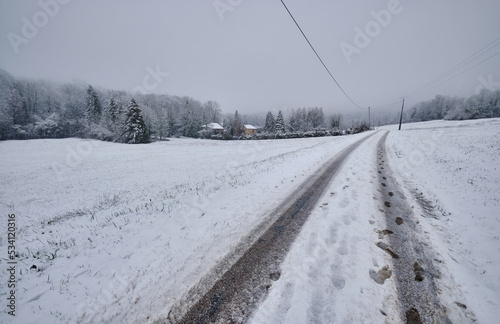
x=94, y=108
x=269, y=126
x=135, y=131
x=279, y=126
x=113, y=110
x=237, y=125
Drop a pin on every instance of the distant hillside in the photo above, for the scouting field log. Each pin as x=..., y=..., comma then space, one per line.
x=42, y=109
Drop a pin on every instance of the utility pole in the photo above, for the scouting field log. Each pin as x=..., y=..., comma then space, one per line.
x=401, y=117
x=369, y=120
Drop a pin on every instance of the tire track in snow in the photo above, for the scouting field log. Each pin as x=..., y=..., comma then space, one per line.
x=339, y=290
x=246, y=283
x=413, y=268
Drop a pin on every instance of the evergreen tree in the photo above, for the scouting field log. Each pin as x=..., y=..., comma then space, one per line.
x=279, y=126
x=191, y=118
x=17, y=107
x=305, y=125
x=135, y=131
x=113, y=110
x=94, y=108
x=170, y=123
x=269, y=126
x=237, y=125
x=295, y=121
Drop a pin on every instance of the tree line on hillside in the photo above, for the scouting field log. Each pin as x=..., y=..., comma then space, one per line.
x=485, y=104
x=41, y=109
x=303, y=122
x=300, y=120
x=32, y=109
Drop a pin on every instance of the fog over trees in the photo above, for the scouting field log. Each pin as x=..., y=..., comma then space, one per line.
x=485, y=104
x=42, y=109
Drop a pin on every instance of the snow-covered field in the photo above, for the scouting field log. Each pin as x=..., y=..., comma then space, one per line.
x=453, y=167
x=119, y=233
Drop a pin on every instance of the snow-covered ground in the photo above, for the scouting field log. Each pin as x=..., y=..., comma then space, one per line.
x=326, y=276
x=120, y=232
x=454, y=169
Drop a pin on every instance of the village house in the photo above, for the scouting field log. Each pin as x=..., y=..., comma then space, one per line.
x=249, y=129
x=215, y=127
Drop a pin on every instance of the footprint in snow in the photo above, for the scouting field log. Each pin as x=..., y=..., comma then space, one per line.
x=346, y=219
x=343, y=250
x=387, y=249
x=344, y=203
x=419, y=272
x=382, y=275
x=338, y=282
x=275, y=276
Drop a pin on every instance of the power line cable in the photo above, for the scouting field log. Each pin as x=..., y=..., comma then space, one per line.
x=458, y=66
x=471, y=58
x=431, y=85
x=317, y=55
x=457, y=75
x=387, y=105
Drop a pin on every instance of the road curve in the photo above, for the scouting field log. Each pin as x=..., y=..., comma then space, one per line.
x=238, y=291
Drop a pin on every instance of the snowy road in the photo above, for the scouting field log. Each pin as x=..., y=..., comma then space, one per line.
x=363, y=257
x=413, y=296
x=241, y=288
x=334, y=272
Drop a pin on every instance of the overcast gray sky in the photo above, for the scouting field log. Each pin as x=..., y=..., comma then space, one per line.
x=248, y=54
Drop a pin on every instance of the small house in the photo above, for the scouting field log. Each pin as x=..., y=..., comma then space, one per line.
x=215, y=127
x=249, y=129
